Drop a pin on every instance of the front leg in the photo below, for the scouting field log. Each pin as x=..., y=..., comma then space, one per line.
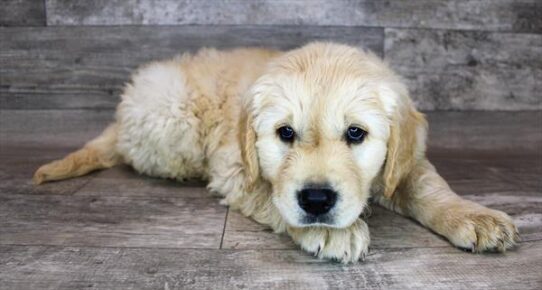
x=426, y=197
x=345, y=245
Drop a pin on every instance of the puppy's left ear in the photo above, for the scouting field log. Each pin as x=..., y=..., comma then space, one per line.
x=406, y=145
x=247, y=141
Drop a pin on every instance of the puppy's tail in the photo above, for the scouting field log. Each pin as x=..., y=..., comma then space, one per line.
x=97, y=154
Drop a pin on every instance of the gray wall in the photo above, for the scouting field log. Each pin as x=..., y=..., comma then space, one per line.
x=455, y=55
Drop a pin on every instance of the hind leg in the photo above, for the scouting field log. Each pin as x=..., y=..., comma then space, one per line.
x=97, y=154
x=159, y=134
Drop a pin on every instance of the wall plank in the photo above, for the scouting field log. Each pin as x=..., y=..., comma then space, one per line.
x=502, y=15
x=468, y=70
x=486, y=130
x=85, y=67
x=66, y=129
x=478, y=131
x=22, y=13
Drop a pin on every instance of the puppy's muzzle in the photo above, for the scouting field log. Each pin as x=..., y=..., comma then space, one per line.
x=317, y=201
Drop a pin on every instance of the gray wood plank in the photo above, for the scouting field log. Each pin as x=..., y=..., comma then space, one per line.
x=390, y=230
x=466, y=131
x=487, y=171
x=109, y=221
x=472, y=176
x=117, y=230
x=466, y=175
x=468, y=70
x=124, y=181
x=86, y=67
x=106, y=209
x=18, y=164
x=23, y=267
x=478, y=176
x=525, y=171
x=128, y=174
x=24, y=130
x=109, y=209
x=244, y=233
x=486, y=131
x=22, y=13
x=504, y=15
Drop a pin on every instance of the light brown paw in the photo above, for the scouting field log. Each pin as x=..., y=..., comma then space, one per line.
x=485, y=230
x=40, y=176
x=347, y=245
x=48, y=172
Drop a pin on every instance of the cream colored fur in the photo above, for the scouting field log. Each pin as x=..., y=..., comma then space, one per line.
x=214, y=115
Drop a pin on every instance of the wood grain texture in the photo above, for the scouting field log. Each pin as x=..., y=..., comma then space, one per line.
x=97, y=210
x=475, y=130
x=392, y=231
x=467, y=175
x=22, y=13
x=484, y=177
x=32, y=267
x=86, y=67
x=110, y=221
x=18, y=164
x=512, y=131
x=481, y=177
x=505, y=181
x=388, y=230
x=64, y=129
x=522, y=170
x=117, y=230
x=504, y=15
x=51, y=214
x=468, y=70
x=107, y=183
x=244, y=233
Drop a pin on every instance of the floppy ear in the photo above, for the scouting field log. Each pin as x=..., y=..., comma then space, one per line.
x=406, y=146
x=247, y=141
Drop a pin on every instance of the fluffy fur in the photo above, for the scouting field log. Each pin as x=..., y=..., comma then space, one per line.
x=215, y=115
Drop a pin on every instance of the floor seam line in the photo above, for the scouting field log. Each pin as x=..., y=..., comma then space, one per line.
x=224, y=228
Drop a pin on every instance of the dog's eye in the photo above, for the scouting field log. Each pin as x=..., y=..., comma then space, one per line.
x=286, y=133
x=355, y=135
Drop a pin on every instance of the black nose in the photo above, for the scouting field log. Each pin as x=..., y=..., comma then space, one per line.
x=316, y=200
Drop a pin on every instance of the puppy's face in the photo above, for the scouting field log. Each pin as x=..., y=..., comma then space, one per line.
x=322, y=130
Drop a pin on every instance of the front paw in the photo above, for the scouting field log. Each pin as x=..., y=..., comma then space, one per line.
x=345, y=245
x=483, y=229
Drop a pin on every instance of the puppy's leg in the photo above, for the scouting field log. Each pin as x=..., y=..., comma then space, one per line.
x=347, y=245
x=97, y=154
x=426, y=197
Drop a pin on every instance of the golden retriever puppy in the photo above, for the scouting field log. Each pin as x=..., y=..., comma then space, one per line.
x=297, y=140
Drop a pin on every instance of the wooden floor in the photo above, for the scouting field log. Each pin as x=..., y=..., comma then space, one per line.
x=117, y=230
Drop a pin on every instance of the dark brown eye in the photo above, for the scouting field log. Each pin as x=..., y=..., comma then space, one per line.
x=286, y=134
x=355, y=135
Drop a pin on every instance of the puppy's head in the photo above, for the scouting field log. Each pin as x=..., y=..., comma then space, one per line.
x=324, y=125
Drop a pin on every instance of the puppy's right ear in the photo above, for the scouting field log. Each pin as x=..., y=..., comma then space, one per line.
x=247, y=141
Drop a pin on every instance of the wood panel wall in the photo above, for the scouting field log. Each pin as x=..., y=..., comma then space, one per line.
x=455, y=55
